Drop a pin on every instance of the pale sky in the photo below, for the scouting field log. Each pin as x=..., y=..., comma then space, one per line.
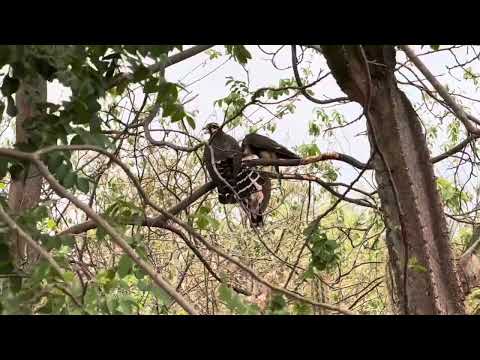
x=291, y=130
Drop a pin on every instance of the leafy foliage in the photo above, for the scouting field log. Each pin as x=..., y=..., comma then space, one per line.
x=239, y=53
x=324, y=251
x=451, y=195
x=104, y=108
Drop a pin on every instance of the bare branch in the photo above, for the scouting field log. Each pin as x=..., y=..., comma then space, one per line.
x=160, y=66
x=124, y=245
x=309, y=160
x=158, y=221
x=457, y=109
x=302, y=88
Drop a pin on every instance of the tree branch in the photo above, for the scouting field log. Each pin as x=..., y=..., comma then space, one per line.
x=456, y=108
x=309, y=160
x=157, y=221
x=43, y=253
x=115, y=235
x=160, y=66
x=302, y=88
x=201, y=258
x=124, y=245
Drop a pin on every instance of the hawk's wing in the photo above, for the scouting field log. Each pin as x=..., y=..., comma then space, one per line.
x=227, y=157
x=254, y=189
x=260, y=143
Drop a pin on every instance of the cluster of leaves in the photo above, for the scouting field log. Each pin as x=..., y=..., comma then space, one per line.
x=239, y=53
x=324, y=251
x=88, y=72
x=323, y=121
x=205, y=220
x=470, y=74
x=305, y=150
x=235, y=101
x=274, y=93
x=451, y=195
x=118, y=289
x=22, y=292
x=454, y=129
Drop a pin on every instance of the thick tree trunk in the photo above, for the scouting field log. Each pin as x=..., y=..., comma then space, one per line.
x=429, y=284
x=393, y=237
x=24, y=192
x=469, y=264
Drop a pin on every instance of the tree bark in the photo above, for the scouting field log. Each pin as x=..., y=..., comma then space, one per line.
x=407, y=187
x=24, y=192
x=469, y=264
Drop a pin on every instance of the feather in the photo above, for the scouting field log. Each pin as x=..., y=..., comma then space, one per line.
x=254, y=191
x=255, y=144
x=227, y=163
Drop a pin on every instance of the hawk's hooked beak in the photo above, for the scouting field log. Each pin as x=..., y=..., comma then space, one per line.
x=210, y=129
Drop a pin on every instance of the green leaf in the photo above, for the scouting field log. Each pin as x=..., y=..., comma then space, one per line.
x=3, y=167
x=44, y=68
x=239, y=53
x=77, y=140
x=161, y=295
x=54, y=161
x=67, y=240
x=2, y=109
x=69, y=180
x=302, y=309
x=51, y=224
x=278, y=302
x=167, y=92
x=68, y=276
x=202, y=222
x=151, y=86
x=62, y=171
x=127, y=304
x=225, y=293
x=83, y=185
x=41, y=271
x=191, y=122
x=124, y=266
x=53, y=242
x=140, y=74
x=139, y=273
x=235, y=303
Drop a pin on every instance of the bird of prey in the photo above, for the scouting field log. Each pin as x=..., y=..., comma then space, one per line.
x=224, y=152
x=254, y=191
x=244, y=184
x=266, y=148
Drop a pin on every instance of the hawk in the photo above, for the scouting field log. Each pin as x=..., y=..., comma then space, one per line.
x=244, y=184
x=254, y=191
x=266, y=148
x=227, y=157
